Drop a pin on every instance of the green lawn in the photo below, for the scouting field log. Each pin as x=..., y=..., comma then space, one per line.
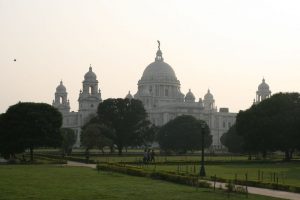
x=43, y=182
x=288, y=173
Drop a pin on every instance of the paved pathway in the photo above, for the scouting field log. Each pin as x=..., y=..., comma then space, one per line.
x=252, y=190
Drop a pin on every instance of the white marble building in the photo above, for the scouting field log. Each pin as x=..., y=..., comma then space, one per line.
x=89, y=98
x=159, y=90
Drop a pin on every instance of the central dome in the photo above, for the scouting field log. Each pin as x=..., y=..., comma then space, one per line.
x=159, y=70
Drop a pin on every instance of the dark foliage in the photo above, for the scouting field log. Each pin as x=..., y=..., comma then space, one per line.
x=183, y=134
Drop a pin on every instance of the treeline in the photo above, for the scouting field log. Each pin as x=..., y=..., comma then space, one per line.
x=272, y=125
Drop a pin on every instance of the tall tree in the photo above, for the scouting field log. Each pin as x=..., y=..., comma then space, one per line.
x=128, y=120
x=184, y=134
x=32, y=125
x=68, y=140
x=273, y=124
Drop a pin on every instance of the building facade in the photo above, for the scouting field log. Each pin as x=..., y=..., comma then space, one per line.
x=159, y=90
x=89, y=98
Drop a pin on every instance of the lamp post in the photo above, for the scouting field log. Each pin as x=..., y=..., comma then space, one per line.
x=202, y=169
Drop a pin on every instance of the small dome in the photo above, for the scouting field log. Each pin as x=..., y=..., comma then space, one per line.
x=61, y=88
x=90, y=75
x=129, y=96
x=189, y=97
x=208, y=95
x=263, y=85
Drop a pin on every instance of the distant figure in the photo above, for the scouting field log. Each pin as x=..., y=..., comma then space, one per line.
x=15, y=60
x=152, y=156
x=148, y=155
x=145, y=158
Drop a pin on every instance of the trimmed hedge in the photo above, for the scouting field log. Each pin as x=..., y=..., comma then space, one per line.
x=135, y=171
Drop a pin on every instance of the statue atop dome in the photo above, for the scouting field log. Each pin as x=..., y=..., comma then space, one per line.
x=158, y=44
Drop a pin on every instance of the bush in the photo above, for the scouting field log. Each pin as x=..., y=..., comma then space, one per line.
x=171, y=177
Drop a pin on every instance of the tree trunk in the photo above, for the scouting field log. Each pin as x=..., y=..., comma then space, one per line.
x=249, y=156
x=264, y=154
x=291, y=154
x=120, y=150
x=31, y=154
x=287, y=155
x=87, y=155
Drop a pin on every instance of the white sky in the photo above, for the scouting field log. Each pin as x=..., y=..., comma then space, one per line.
x=227, y=46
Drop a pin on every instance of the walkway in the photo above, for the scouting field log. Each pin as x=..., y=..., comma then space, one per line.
x=252, y=190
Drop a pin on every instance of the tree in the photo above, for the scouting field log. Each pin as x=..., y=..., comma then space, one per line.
x=68, y=140
x=273, y=124
x=184, y=134
x=30, y=125
x=95, y=136
x=9, y=142
x=128, y=120
x=233, y=141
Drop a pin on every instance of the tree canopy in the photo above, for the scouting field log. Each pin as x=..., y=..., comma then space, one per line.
x=233, y=141
x=273, y=124
x=29, y=125
x=96, y=136
x=184, y=134
x=68, y=140
x=127, y=119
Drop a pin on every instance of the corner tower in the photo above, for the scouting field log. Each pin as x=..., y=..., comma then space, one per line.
x=263, y=92
x=61, y=101
x=89, y=96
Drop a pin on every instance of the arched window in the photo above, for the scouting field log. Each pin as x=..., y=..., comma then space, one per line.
x=90, y=90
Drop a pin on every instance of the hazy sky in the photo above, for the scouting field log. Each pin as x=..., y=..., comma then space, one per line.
x=227, y=46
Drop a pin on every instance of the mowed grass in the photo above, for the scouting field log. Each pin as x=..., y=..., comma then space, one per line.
x=287, y=173
x=45, y=182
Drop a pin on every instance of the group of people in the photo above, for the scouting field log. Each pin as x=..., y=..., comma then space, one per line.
x=149, y=156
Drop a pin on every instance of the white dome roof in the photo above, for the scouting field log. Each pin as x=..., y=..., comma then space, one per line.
x=61, y=88
x=90, y=75
x=263, y=85
x=129, y=96
x=208, y=95
x=159, y=70
x=189, y=96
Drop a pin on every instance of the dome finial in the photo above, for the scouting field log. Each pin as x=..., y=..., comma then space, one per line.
x=158, y=44
x=90, y=68
x=159, y=53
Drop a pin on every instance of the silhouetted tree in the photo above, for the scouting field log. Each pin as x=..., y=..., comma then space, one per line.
x=30, y=125
x=183, y=134
x=68, y=140
x=128, y=120
x=95, y=136
x=273, y=124
x=233, y=141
